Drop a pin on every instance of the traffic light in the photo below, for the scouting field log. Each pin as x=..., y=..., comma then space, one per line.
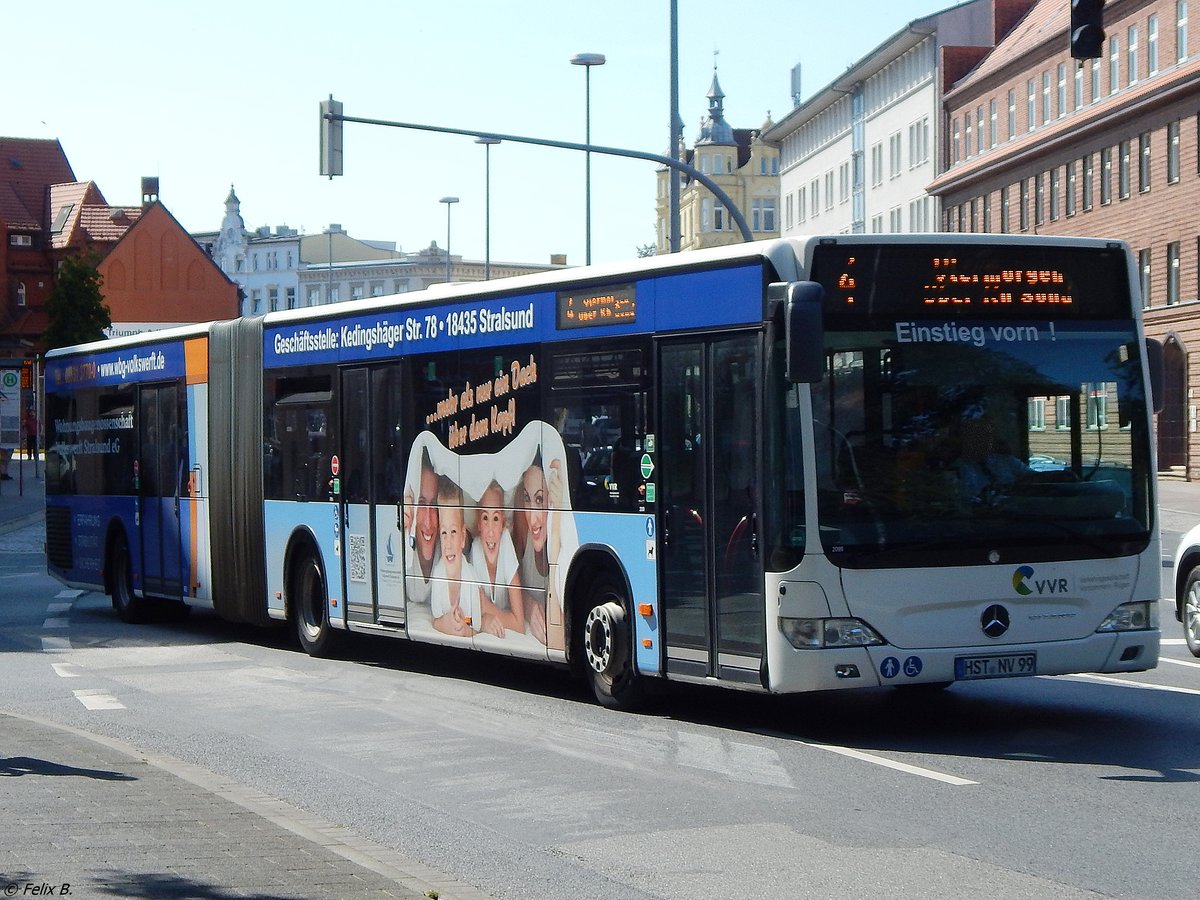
x=331, y=137
x=1087, y=29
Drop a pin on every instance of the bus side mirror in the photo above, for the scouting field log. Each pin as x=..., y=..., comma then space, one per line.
x=805, y=332
x=1158, y=372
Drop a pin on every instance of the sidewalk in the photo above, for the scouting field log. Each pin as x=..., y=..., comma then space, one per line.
x=23, y=497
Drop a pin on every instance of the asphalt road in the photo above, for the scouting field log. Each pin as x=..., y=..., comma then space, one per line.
x=508, y=777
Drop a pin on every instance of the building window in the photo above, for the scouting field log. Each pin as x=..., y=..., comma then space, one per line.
x=1173, y=152
x=1062, y=413
x=1144, y=274
x=256, y=301
x=1055, y=183
x=1131, y=54
x=762, y=213
x=896, y=219
x=20, y=240
x=802, y=204
x=979, y=129
x=894, y=160
x=1037, y=413
x=1062, y=90
x=290, y=295
x=1172, y=273
x=1106, y=176
x=1114, y=64
x=1181, y=31
x=1024, y=214
x=1039, y=198
x=843, y=185
x=273, y=299
x=314, y=296
x=1097, y=409
x=1045, y=97
x=1087, y=182
x=993, y=119
x=1030, y=105
x=1012, y=114
x=1152, y=44
x=1004, y=210
x=969, y=132
x=986, y=202
x=1144, y=162
x=974, y=215
x=1078, y=87
x=1071, y=188
x=1123, y=171
x=815, y=197
x=829, y=189
x=1095, y=79
x=20, y=293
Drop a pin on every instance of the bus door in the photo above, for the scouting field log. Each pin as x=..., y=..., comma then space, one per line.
x=353, y=487
x=371, y=487
x=162, y=470
x=708, y=465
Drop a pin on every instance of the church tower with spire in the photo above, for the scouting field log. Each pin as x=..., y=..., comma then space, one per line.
x=746, y=168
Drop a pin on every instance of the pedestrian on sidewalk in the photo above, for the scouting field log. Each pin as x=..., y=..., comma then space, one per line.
x=31, y=437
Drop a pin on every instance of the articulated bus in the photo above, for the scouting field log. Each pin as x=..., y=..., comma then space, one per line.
x=795, y=465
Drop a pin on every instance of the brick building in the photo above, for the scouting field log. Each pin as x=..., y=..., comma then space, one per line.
x=1038, y=142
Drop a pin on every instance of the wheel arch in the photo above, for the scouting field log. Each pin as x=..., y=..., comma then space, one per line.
x=301, y=540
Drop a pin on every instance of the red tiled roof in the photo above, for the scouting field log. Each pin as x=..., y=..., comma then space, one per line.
x=28, y=166
x=107, y=223
x=30, y=325
x=71, y=198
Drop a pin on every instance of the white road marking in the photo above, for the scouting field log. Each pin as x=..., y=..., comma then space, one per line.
x=1179, y=662
x=57, y=622
x=872, y=758
x=1172, y=642
x=1133, y=684
x=54, y=644
x=69, y=594
x=97, y=699
x=55, y=608
x=64, y=670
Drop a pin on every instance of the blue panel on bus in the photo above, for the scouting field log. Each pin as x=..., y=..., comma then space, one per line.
x=706, y=299
x=154, y=362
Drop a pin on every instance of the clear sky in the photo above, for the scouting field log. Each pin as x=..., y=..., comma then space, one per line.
x=218, y=93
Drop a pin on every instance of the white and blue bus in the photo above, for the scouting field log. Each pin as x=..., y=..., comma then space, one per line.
x=794, y=465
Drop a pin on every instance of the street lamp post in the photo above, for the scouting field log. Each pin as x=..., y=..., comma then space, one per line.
x=587, y=60
x=448, y=201
x=487, y=203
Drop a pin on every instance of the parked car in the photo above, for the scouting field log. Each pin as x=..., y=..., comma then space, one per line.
x=1187, y=588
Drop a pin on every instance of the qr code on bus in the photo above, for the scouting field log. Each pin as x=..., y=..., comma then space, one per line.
x=358, y=557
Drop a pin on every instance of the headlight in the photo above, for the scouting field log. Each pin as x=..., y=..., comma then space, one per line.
x=1139, y=616
x=809, y=634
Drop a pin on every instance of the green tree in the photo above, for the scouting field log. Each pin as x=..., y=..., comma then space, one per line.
x=76, y=306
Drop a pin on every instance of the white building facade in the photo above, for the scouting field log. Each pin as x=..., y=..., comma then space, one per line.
x=857, y=156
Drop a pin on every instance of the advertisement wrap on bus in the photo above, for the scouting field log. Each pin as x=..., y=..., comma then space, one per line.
x=852, y=461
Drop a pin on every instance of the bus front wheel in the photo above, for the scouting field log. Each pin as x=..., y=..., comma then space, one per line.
x=130, y=608
x=310, y=606
x=606, y=642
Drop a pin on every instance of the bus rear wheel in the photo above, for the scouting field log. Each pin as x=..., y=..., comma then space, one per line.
x=605, y=643
x=130, y=608
x=310, y=606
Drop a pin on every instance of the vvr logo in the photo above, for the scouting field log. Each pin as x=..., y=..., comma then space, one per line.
x=1022, y=576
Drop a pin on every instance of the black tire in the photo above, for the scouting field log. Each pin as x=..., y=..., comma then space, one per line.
x=309, y=601
x=605, y=645
x=131, y=609
x=1189, y=611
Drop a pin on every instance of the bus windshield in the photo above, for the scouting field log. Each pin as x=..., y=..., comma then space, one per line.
x=978, y=407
